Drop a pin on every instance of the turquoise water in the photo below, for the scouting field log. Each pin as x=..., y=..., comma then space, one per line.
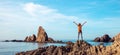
x=10, y=48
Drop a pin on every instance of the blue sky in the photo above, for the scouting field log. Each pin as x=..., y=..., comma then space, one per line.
x=21, y=18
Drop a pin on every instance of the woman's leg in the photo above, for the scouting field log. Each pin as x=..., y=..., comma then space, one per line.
x=81, y=35
x=78, y=35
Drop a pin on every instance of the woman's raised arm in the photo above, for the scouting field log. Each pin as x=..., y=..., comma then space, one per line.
x=75, y=22
x=84, y=23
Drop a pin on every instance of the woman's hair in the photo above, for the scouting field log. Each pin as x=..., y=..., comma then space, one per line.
x=79, y=23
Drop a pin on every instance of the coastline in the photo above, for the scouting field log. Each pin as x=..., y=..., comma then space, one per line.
x=82, y=48
x=28, y=46
x=78, y=48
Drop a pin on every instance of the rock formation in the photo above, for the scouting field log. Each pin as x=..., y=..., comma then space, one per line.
x=50, y=40
x=104, y=38
x=78, y=48
x=117, y=37
x=30, y=38
x=41, y=35
x=62, y=50
x=13, y=40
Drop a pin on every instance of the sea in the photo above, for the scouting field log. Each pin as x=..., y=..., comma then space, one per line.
x=11, y=48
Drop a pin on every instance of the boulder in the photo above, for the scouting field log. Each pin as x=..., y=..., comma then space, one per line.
x=104, y=38
x=41, y=35
x=30, y=38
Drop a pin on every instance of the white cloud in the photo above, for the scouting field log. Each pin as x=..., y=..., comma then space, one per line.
x=45, y=13
x=27, y=17
x=35, y=9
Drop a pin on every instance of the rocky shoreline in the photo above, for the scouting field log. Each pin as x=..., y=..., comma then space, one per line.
x=78, y=48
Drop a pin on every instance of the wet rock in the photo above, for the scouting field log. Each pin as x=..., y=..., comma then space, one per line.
x=104, y=38
x=58, y=41
x=13, y=40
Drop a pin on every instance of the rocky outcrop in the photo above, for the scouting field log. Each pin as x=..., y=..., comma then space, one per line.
x=70, y=49
x=30, y=38
x=13, y=40
x=77, y=48
x=41, y=35
x=117, y=37
x=50, y=40
x=104, y=38
x=62, y=50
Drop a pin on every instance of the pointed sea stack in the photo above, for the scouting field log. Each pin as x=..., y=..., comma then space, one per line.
x=41, y=35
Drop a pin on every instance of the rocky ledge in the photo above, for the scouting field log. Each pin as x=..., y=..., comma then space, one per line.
x=77, y=48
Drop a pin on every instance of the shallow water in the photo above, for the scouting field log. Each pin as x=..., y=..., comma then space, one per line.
x=10, y=48
x=92, y=42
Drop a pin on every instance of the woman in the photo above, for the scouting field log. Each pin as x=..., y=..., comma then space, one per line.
x=79, y=25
